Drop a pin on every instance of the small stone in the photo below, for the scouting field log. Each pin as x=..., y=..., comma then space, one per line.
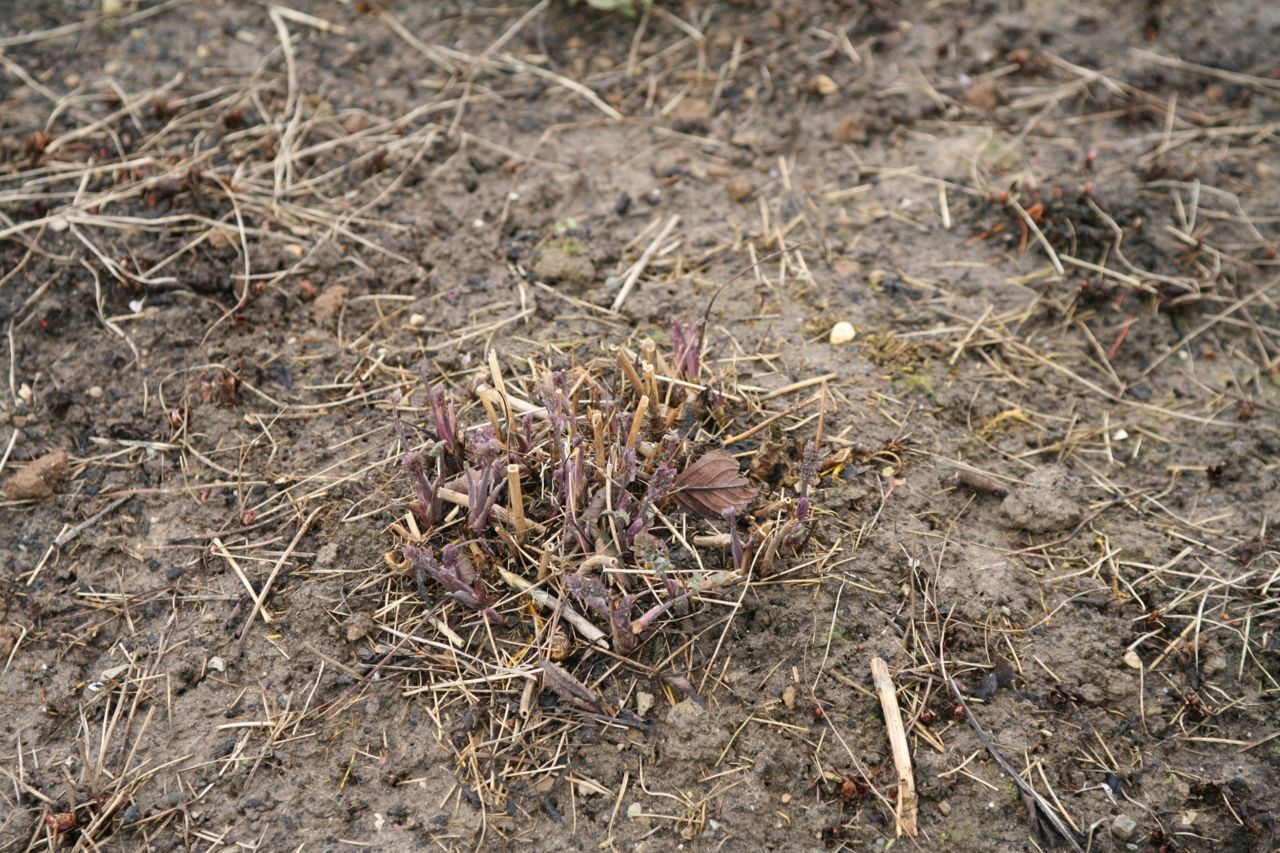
x=823, y=85
x=789, y=697
x=418, y=321
x=739, y=188
x=851, y=128
x=634, y=810
x=644, y=702
x=1124, y=827
x=355, y=122
x=786, y=798
x=39, y=478
x=985, y=95
x=842, y=333
x=217, y=664
x=71, y=80
x=944, y=808
x=112, y=8
x=94, y=392
x=876, y=277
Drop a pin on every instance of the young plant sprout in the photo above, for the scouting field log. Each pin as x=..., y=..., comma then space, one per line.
x=453, y=571
x=429, y=509
x=564, y=473
x=445, y=416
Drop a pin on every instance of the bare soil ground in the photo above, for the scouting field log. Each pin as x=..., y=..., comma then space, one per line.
x=232, y=235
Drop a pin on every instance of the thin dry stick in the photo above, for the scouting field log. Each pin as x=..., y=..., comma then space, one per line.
x=590, y=632
x=799, y=386
x=275, y=570
x=908, y=804
x=517, y=499
x=1040, y=238
x=221, y=551
x=638, y=268
x=637, y=420
x=774, y=418
x=1050, y=814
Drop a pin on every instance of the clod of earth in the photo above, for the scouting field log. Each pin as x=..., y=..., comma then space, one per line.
x=1051, y=499
x=564, y=261
x=39, y=478
x=329, y=303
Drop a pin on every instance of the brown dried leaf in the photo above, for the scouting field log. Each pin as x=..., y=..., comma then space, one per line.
x=570, y=689
x=712, y=484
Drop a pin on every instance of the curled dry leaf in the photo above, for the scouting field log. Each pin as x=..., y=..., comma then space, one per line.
x=571, y=690
x=712, y=484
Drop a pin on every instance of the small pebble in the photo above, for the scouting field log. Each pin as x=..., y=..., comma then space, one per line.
x=1124, y=827
x=740, y=188
x=789, y=697
x=95, y=392
x=823, y=85
x=417, y=321
x=217, y=664
x=944, y=807
x=786, y=798
x=842, y=333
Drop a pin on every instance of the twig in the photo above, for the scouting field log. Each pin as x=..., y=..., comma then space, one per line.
x=799, y=386
x=638, y=268
x=68, y=535
x=1040, y=238
x=221, y=551
x=764, y=424
x=590, y=632
x=275, y=570
x=1046, y=809
x=908, y=804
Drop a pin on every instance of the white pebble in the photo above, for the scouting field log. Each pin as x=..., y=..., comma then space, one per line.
x=842, y=333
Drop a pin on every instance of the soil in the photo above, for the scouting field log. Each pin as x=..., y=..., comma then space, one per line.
x=1051, y=452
